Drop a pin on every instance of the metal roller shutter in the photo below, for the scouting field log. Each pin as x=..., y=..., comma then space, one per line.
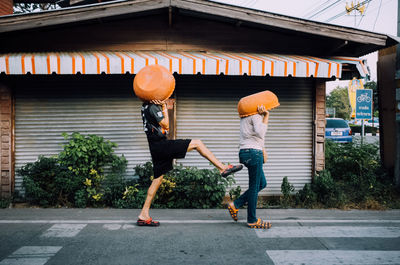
x=207, y=110
x=108, y=108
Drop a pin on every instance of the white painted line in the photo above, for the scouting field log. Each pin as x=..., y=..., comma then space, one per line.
x=31, y=255
x=64, y=230
x=112, y=227
x=328, y=231
x=126, y=226
x=328, y=257
x=227, y=220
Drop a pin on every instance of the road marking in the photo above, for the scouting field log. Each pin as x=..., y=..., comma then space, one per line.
x=126, y=226
x=329, y=231
x=64, y=230
x=31, y=255
x=328, y=257
x=280, y=221
x=113, y=227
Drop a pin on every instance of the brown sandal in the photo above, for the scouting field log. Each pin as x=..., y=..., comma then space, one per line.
x=260, y=224
x=233, y=212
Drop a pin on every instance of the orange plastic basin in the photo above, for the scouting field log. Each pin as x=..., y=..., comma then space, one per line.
x=248, y=105
x=154, y=82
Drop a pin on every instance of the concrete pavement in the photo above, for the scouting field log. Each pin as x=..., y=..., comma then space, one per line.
x=110, y=236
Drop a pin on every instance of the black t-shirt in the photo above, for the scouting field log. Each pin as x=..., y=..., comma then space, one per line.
x=151, y=115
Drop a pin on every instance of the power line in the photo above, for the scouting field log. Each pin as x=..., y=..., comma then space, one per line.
x=335, y=3
x=366, y=8
x=346, y=11
x=309, y=13
x=376, y=19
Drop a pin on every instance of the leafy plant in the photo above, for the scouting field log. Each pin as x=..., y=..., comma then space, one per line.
x=306, y=197
x=234, y=193
x=357, y=167
x=186, y=187
x=198, y=188
x=287, y=189
x=85, y=153
x=5, y=202
x=87, y=157
x=47, y=183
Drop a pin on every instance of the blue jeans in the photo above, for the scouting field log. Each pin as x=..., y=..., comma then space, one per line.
x=253, y=159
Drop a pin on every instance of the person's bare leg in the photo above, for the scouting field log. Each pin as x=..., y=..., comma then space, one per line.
x=206, y=153
x=151, y=192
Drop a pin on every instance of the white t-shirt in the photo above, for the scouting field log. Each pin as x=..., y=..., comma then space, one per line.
x=252, y=132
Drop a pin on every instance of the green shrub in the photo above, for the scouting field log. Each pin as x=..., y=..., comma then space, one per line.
x=367, y=129
x=5, y=203
x=234, y=193
x=87, y=157
x=198, y=188
x=287, y=189
x=186, y=187
x=306, y=197
x=81, y=198
x=84, y=174
x=357, y=168
x=47, y=183
x=145, y=172
x=323, y=192
x=327, y=191
x=85, y=153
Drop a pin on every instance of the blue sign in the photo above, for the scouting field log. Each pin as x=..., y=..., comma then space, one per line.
x=364, y=104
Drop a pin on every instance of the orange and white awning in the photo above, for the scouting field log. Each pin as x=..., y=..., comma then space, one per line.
x=207, y=63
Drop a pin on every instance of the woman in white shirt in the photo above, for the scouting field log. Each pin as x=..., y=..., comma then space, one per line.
x=252, y=154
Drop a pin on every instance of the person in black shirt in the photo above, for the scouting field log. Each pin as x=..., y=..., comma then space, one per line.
x=163, y=151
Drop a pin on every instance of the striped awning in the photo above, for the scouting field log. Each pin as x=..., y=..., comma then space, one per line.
x=207, y=63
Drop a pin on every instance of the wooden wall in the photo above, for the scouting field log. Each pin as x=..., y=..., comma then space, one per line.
x=155, y=32
x=319, y=125
x=6, y=142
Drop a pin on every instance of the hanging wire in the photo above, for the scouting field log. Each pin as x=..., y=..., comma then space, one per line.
x=326, y=8
x=345, y=12
x=315, y=9
x=377, y=15
x=366, y=8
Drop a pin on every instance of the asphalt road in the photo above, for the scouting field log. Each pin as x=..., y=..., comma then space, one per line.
x=110, y=236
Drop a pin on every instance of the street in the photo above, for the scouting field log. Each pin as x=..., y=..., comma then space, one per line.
x=110, y=236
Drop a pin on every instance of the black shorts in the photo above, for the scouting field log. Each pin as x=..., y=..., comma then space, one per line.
x=163, y=152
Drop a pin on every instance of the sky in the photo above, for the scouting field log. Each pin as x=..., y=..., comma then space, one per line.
x=379, y=16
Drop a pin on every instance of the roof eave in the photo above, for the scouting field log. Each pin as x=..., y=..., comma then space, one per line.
x=125, y=7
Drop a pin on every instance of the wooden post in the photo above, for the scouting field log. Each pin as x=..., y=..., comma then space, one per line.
x=319, y=126
x=6, y=145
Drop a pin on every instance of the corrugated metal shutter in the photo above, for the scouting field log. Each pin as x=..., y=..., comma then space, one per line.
x=103, y=106
x=207, y=110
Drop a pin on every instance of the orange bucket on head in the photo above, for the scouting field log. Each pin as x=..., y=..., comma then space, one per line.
x=248, y=105
x=154, y=82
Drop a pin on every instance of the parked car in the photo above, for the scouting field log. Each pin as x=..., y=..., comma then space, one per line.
x=338, y=130
x=373, y=122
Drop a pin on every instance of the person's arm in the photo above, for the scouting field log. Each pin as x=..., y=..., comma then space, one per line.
x=164, y=123
x=263, y=112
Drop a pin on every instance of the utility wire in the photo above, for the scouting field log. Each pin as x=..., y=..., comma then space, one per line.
x=376, y=19
x=346, y=11
x=366, y=8
x=315, y=9
x=335, y=3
